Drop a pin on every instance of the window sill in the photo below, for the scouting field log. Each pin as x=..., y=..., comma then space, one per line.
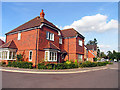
x=52, y=61
x=7, y=59
x=50, y=40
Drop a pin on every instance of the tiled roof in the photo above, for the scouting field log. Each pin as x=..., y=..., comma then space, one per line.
x=51, y=46
x=63, y=51
x=37, y=21
x=1, y=42
x=10, y=44
x=91, y=47
x=71, y=32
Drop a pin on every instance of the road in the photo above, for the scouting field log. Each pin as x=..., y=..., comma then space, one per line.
x=95, y=79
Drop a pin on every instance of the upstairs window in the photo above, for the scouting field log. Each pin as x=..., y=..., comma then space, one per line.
x=19, y=36
x=50, y=36
x=60, y=40
x=80, y=42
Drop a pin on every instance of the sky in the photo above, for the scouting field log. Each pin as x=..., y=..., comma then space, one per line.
x=92, y=19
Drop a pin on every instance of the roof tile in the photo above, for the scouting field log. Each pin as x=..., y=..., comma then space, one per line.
x=71, y=32
x=10, y=44
x=37, y=21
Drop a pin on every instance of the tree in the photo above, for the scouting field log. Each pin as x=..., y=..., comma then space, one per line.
x=110, y=55
x=102, y=55
x=118, y=56
x=113, y=55
x=94, y=42
x=98, y=53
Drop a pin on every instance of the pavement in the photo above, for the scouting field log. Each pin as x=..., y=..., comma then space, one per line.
x=64, y=71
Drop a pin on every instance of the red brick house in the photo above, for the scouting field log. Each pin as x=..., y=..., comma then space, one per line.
x=40, y=40
x=90, y=52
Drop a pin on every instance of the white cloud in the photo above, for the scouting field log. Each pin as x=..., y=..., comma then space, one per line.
x=97, y=23
x=3, y=38
x=60, y=27
x=104, y=46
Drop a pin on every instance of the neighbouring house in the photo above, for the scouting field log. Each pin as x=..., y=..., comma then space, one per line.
x=39, y=40
x=1, y=42
x=90, y=52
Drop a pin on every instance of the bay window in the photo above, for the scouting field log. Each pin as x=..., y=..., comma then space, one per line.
x=7, y=54
x=50, y=56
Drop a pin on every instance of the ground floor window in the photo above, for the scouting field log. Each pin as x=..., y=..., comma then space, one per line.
x=7, y=54
x=80, y=58
x=50, y=56
x=30, y=55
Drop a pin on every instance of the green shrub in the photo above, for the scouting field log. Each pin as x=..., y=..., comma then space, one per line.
x=102, y=63
x=2, y=63
x=9, y=64
x=14, y=64
x=76, y=64
x=106, y=62
x=68, y=62
x=91, y=64
x=95, y=59
x=41, y=66
x=49, y=66
x=20, y=64
x=19, y=57
x=69, y=66
x=60, y=66
x=85, y=64
x=110, y=63
x=99, y=64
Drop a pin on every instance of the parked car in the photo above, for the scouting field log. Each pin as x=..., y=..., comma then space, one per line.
x=115, y=60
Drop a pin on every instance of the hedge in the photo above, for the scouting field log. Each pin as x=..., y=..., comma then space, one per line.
x=20, y=64
x=65, y=65
x=56, y=66
x=93, y=64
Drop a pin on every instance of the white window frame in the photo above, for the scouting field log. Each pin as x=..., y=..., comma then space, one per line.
x=60, y=40
x=6, y=56
x=47, y=35
x=81, y=58
x=31, y=55
x=52, y=53
x=80, y=42
x=19, y=35
x=46, y=59
x=50, y=36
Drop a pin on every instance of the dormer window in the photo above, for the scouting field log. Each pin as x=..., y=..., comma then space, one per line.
x=19, y=36
x=60, y=40
x=50, y=36
x=80, y=42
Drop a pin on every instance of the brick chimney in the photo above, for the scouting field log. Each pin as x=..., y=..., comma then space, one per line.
x=42, y=14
